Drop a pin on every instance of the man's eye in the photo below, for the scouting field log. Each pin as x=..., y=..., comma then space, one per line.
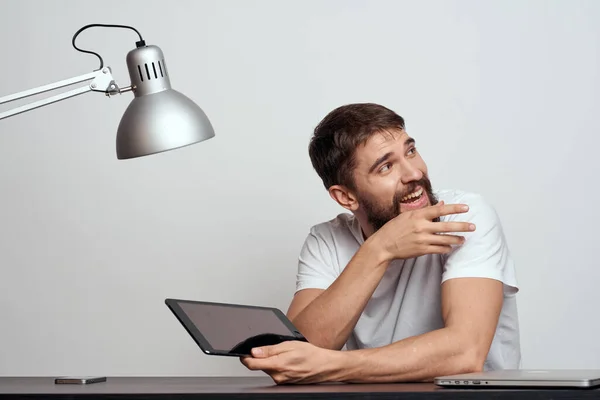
x=412, y=151
x=385, y=167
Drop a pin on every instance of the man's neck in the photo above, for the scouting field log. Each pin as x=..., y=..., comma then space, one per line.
x=365, y=227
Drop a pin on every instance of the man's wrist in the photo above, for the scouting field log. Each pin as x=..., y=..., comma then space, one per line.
x=347, y=366
x=376, y=251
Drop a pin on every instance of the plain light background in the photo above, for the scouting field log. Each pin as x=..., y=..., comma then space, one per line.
x=502, y=97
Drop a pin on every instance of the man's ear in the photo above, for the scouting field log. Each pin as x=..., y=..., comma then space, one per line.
x=344, y=197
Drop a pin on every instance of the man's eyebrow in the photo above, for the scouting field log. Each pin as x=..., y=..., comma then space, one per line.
x=409, y=141
x=380, y=160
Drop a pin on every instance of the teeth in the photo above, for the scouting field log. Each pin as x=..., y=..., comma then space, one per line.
x=412, y=195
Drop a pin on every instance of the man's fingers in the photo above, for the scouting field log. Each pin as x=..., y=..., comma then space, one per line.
x=435, y=249
x=268, y=351
x=245, y=361
x=261, y=364
x=261, y=352
x=446, y=240
x=444, y=209
x=451, y=227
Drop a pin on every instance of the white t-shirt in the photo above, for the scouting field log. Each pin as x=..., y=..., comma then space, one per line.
x=407, y=301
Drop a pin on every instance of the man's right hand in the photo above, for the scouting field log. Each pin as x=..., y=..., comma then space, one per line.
x=414, y=233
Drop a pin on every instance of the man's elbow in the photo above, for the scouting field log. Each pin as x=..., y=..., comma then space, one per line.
x=473, y=359
x=470, y=352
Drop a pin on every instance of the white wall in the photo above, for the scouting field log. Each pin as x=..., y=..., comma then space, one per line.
x=502, y=97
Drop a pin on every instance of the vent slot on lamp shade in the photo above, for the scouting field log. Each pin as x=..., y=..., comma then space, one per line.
x=154, y=70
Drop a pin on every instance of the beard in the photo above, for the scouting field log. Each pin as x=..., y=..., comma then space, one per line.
x=378, y=215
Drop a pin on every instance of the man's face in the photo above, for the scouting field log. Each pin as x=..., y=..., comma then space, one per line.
x=390, y=178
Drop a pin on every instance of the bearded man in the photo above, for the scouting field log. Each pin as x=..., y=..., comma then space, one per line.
x=410, y=283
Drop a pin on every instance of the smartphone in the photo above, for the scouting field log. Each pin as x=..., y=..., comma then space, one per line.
x=79, y=380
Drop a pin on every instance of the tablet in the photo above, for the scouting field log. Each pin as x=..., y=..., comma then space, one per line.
x=225, y=329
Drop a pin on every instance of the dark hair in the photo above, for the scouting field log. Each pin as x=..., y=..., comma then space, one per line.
x=336, y=137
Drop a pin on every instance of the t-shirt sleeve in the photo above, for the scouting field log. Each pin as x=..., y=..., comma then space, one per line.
x=485, y=253
x=315, y=264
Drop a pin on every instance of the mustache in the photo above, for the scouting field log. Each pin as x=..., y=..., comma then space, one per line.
x=423, y=182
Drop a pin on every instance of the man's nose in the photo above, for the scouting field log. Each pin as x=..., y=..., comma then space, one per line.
x=410, y=173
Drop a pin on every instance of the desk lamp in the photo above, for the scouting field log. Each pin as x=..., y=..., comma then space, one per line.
x=157, y=119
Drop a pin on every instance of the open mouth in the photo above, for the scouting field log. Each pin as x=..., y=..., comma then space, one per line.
x=412, y=197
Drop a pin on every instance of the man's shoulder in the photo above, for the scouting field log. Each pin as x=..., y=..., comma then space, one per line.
x=479, y=206
x=451, y=196
x=334, y=241
x=342, y=230
x=343, y=223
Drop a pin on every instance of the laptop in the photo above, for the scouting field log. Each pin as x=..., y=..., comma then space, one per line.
x=574, y=378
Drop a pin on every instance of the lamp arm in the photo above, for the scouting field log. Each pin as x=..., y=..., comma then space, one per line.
x=101, y=81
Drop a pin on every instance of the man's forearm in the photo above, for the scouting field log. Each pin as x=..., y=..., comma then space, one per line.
x=329, y=319
x=419, y=358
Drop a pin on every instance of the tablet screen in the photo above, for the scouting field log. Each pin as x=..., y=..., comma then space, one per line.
x=226, y=326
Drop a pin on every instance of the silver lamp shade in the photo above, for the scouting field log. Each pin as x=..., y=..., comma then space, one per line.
x=158, y=118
